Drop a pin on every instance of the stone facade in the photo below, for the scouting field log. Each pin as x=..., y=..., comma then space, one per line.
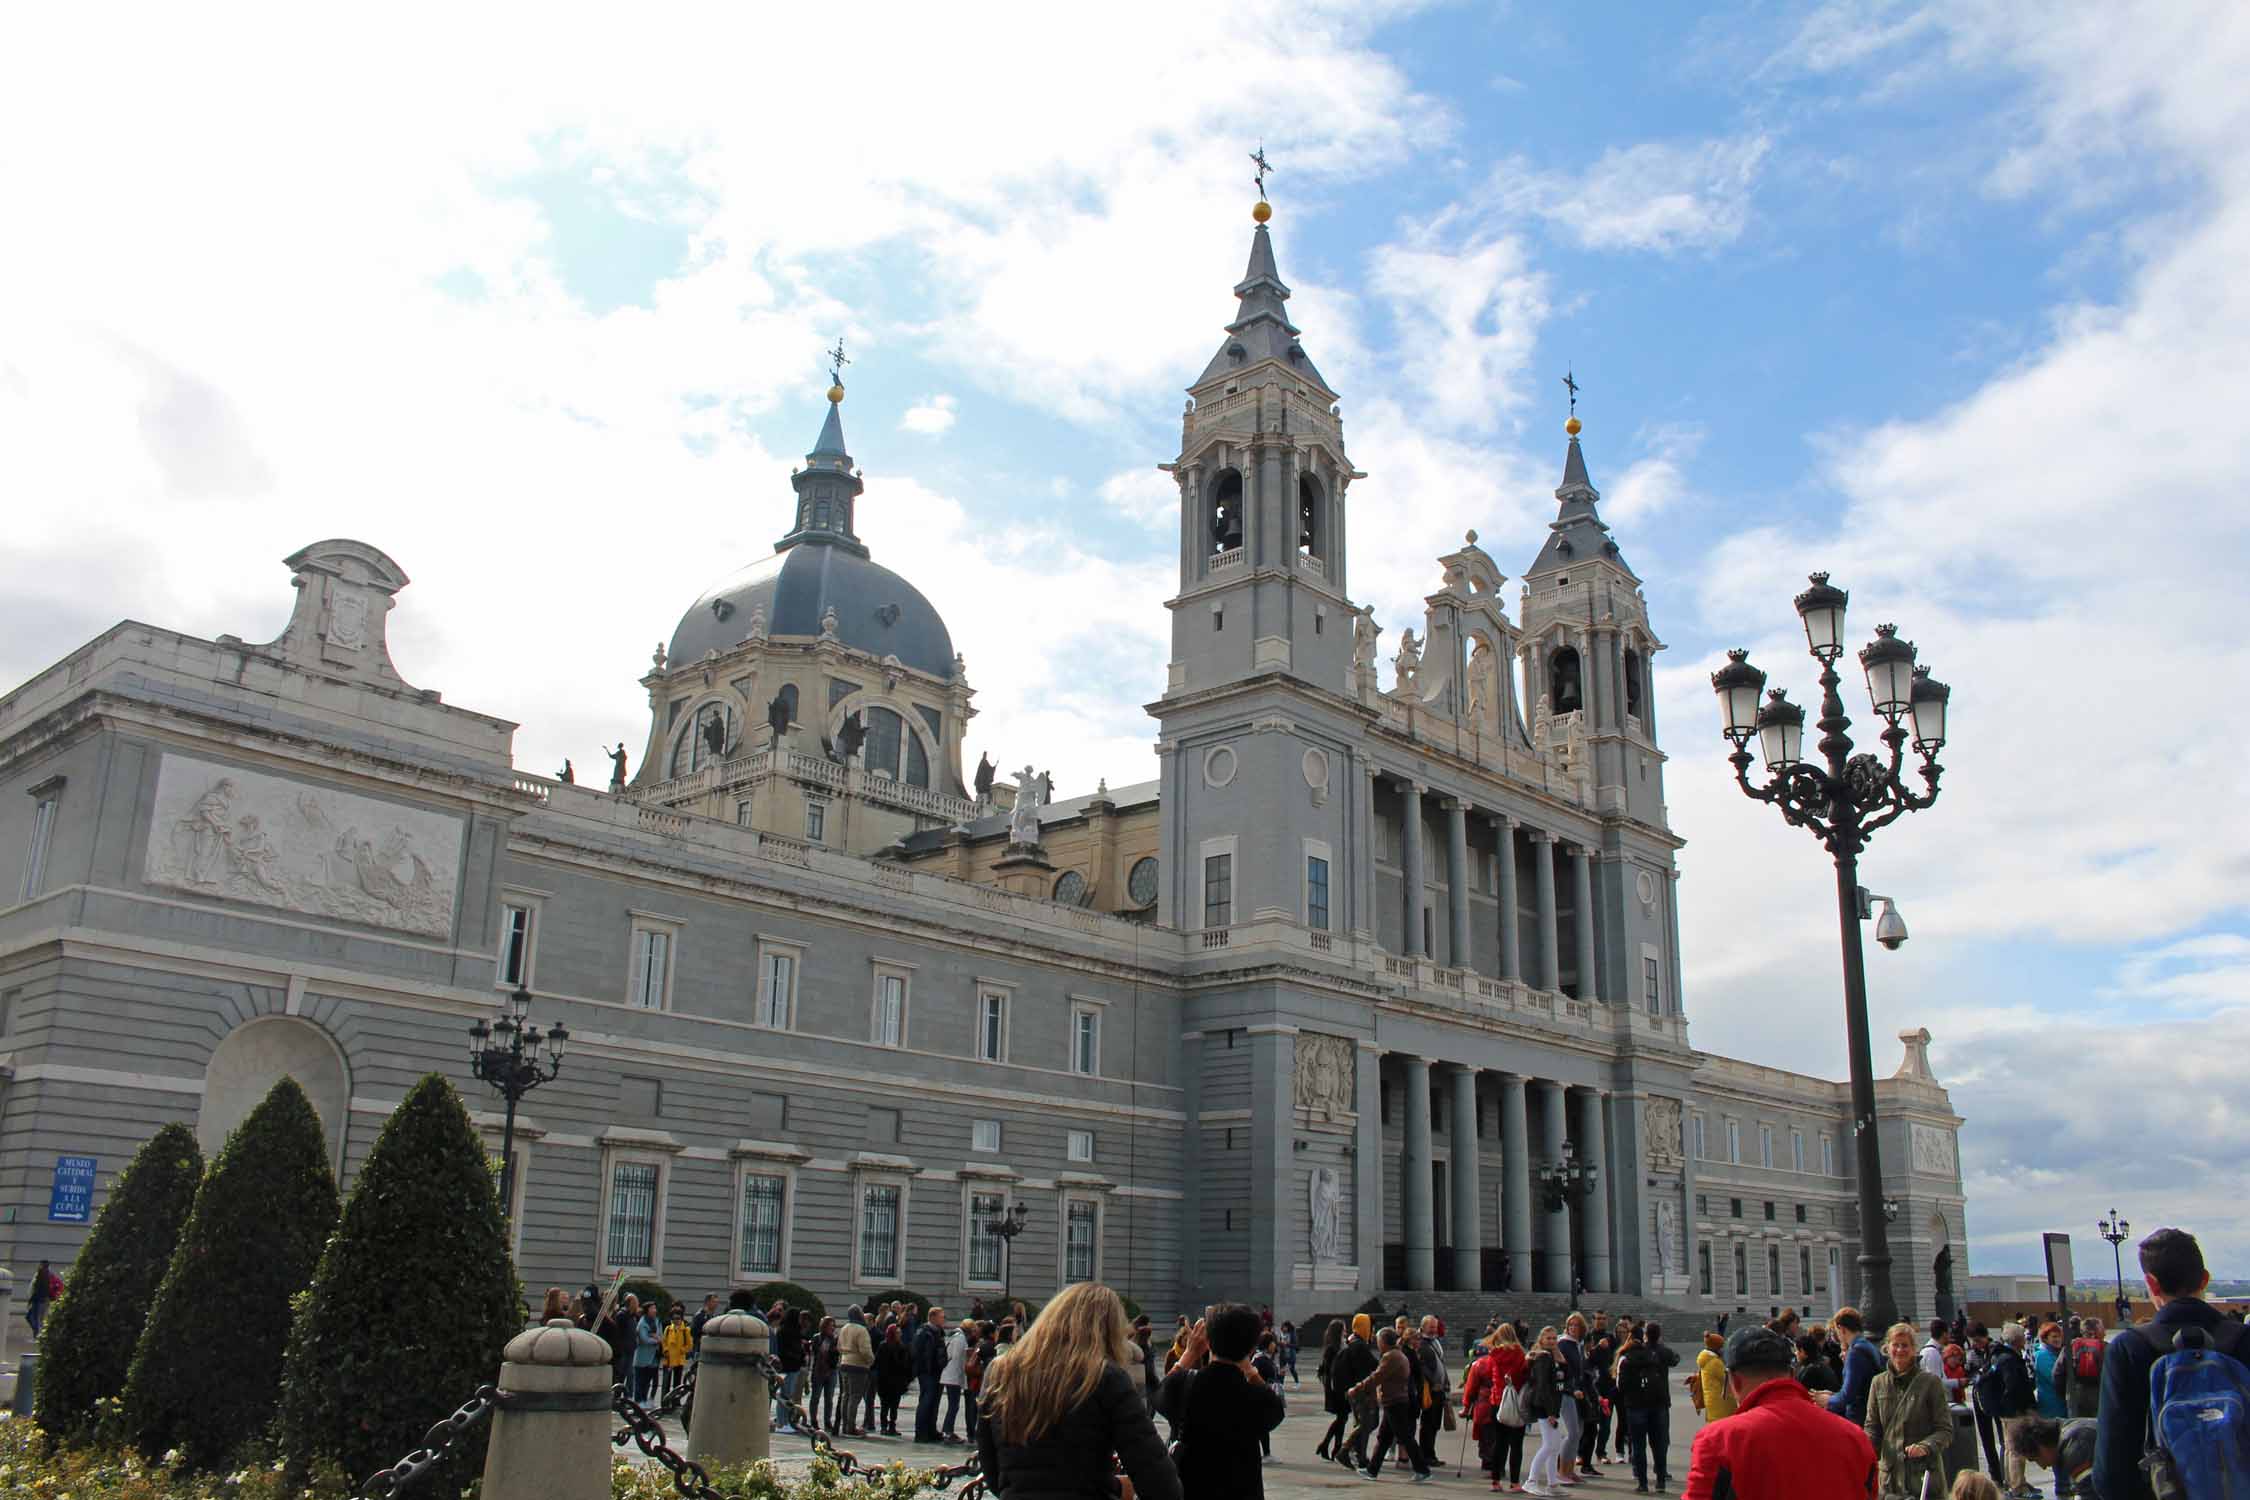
x=1397, y=947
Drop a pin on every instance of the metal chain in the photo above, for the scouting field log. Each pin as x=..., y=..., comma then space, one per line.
x=436, y=1443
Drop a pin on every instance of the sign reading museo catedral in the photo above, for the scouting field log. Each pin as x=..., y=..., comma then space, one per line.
x=72, y=1201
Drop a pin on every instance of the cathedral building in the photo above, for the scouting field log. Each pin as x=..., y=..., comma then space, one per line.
x=1374, y=988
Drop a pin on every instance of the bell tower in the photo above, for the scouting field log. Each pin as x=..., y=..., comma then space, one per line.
x=1262, y=475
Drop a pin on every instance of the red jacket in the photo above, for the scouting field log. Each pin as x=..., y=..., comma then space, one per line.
x=1493, y=1372
x=1781, y=1445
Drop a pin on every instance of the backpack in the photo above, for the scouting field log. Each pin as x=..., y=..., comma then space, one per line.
x=2005, y=1388
x=2086, y=1359
x=2198, y=1414
x=1640, y=1382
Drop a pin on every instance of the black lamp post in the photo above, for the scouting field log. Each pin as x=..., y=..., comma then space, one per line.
x=1843, y=804
x=2116, y=1230
x=505, y=1054
x=1560, y=1182
x=1007, y=1226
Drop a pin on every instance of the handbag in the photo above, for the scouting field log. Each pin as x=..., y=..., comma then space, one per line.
x=1450, y=1421
x=1510, y=1410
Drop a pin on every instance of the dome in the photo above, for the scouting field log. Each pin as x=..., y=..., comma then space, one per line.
x=877, y=611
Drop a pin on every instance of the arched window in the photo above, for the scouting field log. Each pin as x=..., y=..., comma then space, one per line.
x=1563, y=690
x=1226, y=511
x=1633, y=683
x=1309, y=538
x=710, y=734
x=788, y=696
x=881, y=749
x=253, y=1058
x=917, y=762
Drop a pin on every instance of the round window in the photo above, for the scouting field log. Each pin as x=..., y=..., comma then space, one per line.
x=1071, y=889
x=1141, y=884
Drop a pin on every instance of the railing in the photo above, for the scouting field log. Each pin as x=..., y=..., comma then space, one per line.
x=1216, y=937
x=1322, y=943
x=788, y=851
x=1231, y=558
x=1401, y=968
x=1450, y=979
x=656, y=820
x=918, y=799
x=817, y=768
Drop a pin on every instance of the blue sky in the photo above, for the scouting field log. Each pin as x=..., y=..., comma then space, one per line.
x=1947, y=299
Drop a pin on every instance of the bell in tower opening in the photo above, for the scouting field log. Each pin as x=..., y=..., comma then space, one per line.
x=1226, y=512
x=1562, y=674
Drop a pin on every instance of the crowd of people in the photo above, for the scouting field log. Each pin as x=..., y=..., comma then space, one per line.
x=1069, y=1404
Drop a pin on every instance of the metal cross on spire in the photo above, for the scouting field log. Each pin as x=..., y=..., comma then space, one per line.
x=837, y=361
x=1570, y=384
x=1259, y=156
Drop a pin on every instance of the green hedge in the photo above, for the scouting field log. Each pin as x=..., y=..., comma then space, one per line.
x=207, y=1373
x=901, y=1294
x=86, y=1345
x=414, y=1300
x=766, y=1293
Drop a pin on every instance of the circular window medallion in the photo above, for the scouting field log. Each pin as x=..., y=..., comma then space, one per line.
x=1645, y=884
x=1218, y=765
x=1141, y=884
x=1316, y=769
x=1071, y=889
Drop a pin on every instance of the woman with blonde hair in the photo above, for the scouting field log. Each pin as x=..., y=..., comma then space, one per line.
x=1064, y=1401
x=1970, y=1485
x=1908, y=1419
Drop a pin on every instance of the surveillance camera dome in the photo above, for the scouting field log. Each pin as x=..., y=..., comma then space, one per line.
x=1890, y=928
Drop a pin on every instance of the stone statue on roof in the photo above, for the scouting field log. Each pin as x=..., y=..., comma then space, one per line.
x=983, y=781
x=1023, y=822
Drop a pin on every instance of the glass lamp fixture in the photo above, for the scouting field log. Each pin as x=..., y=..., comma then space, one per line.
x=1738, y=685
x=1821, y=607
x=1929, y=697
x=1781, y=731
x=1889, y=663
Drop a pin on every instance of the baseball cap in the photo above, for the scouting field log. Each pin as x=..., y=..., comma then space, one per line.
x=1758, y=1348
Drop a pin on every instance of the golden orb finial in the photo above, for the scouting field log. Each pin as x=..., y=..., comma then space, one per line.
x=1262, y=212
x=1571, y=426
x=836, y=394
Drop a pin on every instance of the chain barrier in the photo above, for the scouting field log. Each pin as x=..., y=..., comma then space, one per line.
x=436, y=1443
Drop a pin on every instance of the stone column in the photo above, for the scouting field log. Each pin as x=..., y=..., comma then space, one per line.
x=1415, y=1182
x=550, y=1436
x=1457, y=884
x=1594, y=1207
x=1511, y=939
x=733, y=1400
x=1550, y=940
x=1554, y=1228
x=1363, y=851
x=1582, y=919
x=1367, y=1167
x=1410, y=862
x=1515, y=1182
x=1468, y=1194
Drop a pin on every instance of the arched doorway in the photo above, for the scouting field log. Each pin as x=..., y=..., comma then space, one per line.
x=256, y=1055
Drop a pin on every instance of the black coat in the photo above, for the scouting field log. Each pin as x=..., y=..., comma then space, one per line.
x=1543, y=1388
x=1354, y=1363
x=1219, y=1415
x=894, y=1370
x=1071, y=1461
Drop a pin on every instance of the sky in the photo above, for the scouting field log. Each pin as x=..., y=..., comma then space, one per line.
x=1946, y=300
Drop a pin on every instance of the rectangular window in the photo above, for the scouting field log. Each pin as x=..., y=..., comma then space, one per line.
x=1734, y=1140
x=1652, y=985
x=1316, y=893
x=878, y=1232
x=984, y=1246
x=1796, y=1151
x=42, y=835
x=1700, y=1153
x=992, y=1026
x=632, y=1214
x=742, y=813
x=1835, y=1270
x=1765, y=1145
x=763, y=1198
x=984, y=1135
x=882, y=1125
x=1218, y=890
x=1773, y=1269
x=1086, y=1041
x=777, y=987
x=1703, y=1267
x=1769, y=1212
x=1827, y=1156
x=890, y=1010
x=1734, y=1208
x=515, y=945
x=1804, y=1273
x=1741, y=1271
x=1800, y=1213
x=1078, y=1240
x=1702, y=1206
x=816, y=822
x=651, y=980
x=1079, y=1145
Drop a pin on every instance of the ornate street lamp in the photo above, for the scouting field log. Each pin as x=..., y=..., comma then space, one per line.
x=2116, y=1230
x=1562, y=1182
x=506, y=1055
x=1007, y=1226
x=1843, y=800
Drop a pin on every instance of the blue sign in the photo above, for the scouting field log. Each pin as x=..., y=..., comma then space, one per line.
x=72, y=1201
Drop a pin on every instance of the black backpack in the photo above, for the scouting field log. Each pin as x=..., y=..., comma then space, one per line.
x=1640, y=1381
x=2005, y=1388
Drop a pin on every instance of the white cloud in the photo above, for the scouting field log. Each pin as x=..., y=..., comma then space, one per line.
x=1657, y=480
x=1467, y=317
x=1147, y=497
x=931, y=415
x=1653, y=196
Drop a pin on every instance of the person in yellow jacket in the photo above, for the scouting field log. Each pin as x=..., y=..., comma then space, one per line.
x=1718, y=1399
x=672, y=1350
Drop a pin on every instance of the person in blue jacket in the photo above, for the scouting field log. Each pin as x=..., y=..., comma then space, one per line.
x=1862, y=1363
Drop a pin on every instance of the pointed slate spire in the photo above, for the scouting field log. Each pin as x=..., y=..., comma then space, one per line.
x=1261, y=328
x=831, y=443
x=1578, y=533
x=827, y=487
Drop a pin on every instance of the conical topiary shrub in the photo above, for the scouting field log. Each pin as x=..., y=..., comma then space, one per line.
x=207, y=1372
x=86, y=1344
x=415, y=1298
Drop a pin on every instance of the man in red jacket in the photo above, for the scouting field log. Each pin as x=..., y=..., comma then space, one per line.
x=1780, y=1444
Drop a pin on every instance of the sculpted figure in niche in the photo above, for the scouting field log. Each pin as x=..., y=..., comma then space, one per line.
x=255, y=856
x=1408, y=663
x=1666, y=1227
x=1324, y=1194
x=1484, y=681
x=205, y=834
x=777, y=716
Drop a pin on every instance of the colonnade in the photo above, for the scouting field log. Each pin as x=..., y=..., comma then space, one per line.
x=1534, y=1123
x=1544, y=970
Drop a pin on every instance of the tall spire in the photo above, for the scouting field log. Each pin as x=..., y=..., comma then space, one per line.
x=1261, y=328
x=829, y=484
x=1578, y=533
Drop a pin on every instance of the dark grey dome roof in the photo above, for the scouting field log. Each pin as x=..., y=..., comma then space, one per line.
x=876, y=610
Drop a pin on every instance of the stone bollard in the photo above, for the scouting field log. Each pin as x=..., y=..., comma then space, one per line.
x=550, y=1435
x=15, y=1385
x=733, y=1404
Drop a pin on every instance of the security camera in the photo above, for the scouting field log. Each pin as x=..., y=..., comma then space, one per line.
x=1890, y=927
